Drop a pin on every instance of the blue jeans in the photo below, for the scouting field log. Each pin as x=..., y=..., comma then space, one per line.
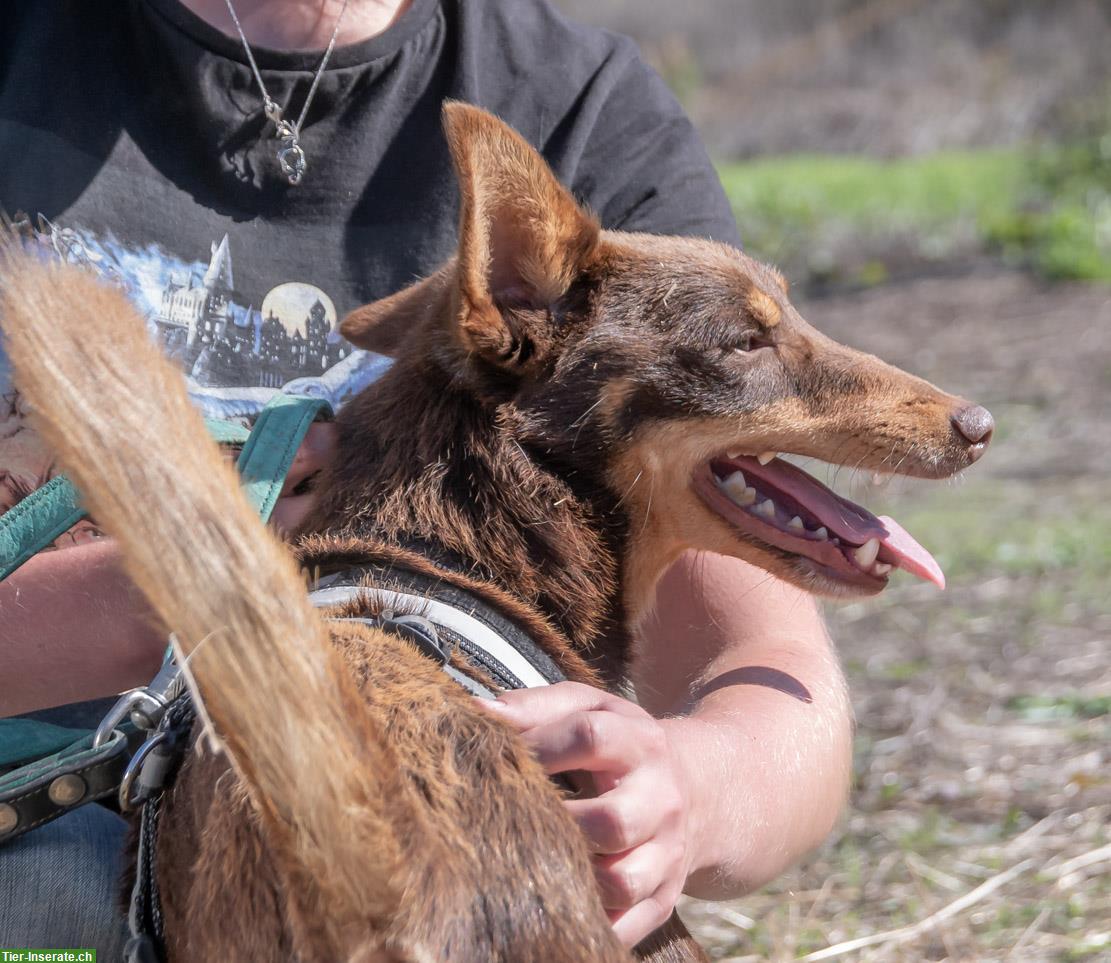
x=59, y=885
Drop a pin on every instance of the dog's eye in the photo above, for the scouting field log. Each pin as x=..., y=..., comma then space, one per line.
x=745, y=343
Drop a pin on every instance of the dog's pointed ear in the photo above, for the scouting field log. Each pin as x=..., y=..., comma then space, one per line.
x=383, y=325
x=522, y=237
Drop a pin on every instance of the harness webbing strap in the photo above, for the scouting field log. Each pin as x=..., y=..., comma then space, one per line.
x=36, y=521
x=485, y=639
x=268, y=454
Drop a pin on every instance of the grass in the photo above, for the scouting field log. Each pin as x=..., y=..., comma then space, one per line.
x=1040, y=708
x=858, y=219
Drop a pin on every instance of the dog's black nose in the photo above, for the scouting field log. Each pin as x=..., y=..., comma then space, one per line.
x=974, y=424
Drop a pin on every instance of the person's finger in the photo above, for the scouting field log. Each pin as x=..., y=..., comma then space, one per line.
x=638, y=922
x=626, y=879
x=531, y=708
x=595, y=741
x=627, y=816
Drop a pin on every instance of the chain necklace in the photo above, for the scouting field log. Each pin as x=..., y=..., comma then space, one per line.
x=291, y=156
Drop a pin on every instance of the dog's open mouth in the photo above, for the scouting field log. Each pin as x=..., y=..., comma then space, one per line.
x=781, y=505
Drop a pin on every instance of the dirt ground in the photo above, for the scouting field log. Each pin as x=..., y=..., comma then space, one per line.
x=982, y=791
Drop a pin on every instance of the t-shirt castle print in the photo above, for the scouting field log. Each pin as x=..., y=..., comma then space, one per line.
x=220, y=342
x=235, y=356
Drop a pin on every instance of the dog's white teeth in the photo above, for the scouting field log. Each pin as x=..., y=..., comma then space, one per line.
x=881, y=568
x=866, y=554
x=739, y=493
x=879, y=477
x=736, y=482
x=765, y=456
x=796, y=524
x=835, y=541
x=821, y=534
x=765, y=508
x=736, y=489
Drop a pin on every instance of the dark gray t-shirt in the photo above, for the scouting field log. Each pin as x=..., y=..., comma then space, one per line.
x=133, y=136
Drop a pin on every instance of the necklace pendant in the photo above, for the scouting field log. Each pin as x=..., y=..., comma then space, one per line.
x=291, y=157
x=293, y=163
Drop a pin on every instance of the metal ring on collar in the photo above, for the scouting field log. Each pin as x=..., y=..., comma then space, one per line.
x=135, y=767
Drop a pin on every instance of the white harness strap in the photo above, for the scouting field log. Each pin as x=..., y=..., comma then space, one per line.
x=474, y=631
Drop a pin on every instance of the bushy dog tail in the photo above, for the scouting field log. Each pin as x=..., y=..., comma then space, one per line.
x=118, y=417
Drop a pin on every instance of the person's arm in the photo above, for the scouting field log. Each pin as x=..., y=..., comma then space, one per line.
x=747, y=766
x=740, y=667
x=74, y=627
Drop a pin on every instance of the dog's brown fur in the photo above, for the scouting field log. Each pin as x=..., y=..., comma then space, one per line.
x=555, y=386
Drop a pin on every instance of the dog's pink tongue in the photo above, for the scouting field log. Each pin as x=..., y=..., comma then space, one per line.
x=909, y=555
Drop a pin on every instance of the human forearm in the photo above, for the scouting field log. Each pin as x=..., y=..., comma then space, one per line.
x=73, y=627
x=768, y=774
x=742, y=673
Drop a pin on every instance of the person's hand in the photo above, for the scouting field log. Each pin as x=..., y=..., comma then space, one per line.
x=639, y=823
x=297, y=497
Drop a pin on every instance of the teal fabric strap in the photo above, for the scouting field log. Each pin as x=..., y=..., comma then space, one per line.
x=226, y=432
x=268, y=454
x=36, y=521
x=26, y=739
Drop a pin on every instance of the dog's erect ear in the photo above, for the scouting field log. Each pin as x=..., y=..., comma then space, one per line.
x=382, y=325
x=522, y=237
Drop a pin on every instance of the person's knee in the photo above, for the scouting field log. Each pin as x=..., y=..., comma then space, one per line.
x=59, y=884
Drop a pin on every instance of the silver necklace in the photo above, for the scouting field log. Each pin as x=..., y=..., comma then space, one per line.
x=291, y=156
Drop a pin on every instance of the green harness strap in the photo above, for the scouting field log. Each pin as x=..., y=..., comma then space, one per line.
x=36, y=521
x=269, y=451
x=47, y=770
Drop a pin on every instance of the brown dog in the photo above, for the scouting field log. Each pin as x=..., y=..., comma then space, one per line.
x=569, y=410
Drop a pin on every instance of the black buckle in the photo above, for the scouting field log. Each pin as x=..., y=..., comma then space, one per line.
x=419, y=631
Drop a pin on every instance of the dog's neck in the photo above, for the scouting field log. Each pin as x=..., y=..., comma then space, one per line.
x=423, y=464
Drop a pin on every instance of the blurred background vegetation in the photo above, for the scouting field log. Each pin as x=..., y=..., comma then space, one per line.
x=860, y=139
x=934, y=178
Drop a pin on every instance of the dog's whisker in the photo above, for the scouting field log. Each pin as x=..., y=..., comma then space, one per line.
x=648, y=506
x=629, y=490
x=580, y=422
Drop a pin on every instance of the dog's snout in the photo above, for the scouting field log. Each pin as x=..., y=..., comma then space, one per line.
x=974, y=424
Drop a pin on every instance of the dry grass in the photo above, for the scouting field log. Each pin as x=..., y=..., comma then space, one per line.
x=984, y=714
